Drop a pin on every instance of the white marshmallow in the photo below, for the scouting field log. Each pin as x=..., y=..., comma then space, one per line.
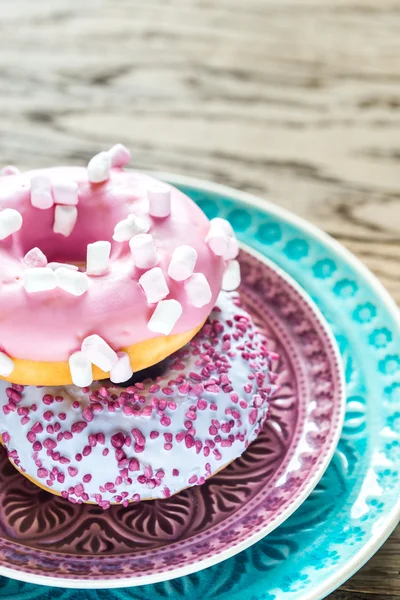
x=122, y=370
x=198, y=290
x=233, y=249
x=39, y=279
x=9, y=170
x=159, y=196
x=35, y=258
x=41, y=194
x=97, y=257
x=99, y=167
x=127, y=228
x=143, y=251
x=10, y=222
x=6, y=365
x=99, y=352
x=65, y=218
x=65, y=192
x=119, y=155
x=57, y=265
x=231, y=278
x=219, y=235
x=182, y=263
x=73, y=282
x=165, y=316
x=154, y=285
x=81, y=369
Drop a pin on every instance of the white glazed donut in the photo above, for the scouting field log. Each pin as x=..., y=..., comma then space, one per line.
x=108, y=444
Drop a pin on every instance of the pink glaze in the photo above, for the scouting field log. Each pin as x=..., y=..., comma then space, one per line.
x=50, y=325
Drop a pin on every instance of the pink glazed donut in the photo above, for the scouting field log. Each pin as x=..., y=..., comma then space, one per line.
x=103, y=272
x=110, y=445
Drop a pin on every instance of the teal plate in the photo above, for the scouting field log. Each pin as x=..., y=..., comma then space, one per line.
x=356, y=505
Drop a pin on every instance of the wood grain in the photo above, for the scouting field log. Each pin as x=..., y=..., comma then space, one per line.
x=297, y=101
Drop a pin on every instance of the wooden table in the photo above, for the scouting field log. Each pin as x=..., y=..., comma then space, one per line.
x=296, y=101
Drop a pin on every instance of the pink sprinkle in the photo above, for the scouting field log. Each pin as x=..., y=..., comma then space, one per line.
x=154, y=435
x=37, y=427
x=168, y=446
x=166, y=492
x=64, y=460
x=86, y=478
x=6, y=437
x=168, y=437
x=25, y=420
x=175, y=472
x=86, y=451
x=189, y=441
x=50, y=429
x=117, y=440
x=226, y=443
x=134, y=464
x=160, y=474
x=119, y=454
x=184, y=389
x=172, y=405
x=48, y=415
x=23, y=411
x=78, y=427
x=137, y=448
x=148, y=472
x=97, y=407
x=191, y=415
x=78, y=457
x=253, y=416
x=103, y=392
x=42, y=473
x=138, y=436
x=206, y=451
x=37, y=446
x=59, y=399
x=212, y=430
x=49, y=444
x=213, y=406
x=199, y=445
x=62, y=416
x=201, y=404
x=180, y=436
x=100, y=438
x=165, y=421
x=146, y=411
x=193, y=479
x=79, y=489
x=92, y=440
x=57, y=427
x=67, y=435
x=105, y=451
x=75, y=404
x=34, y=407
x=87, y=414
x=72, y=471
x=60, y=477
x=128, y=410
x=56, y=456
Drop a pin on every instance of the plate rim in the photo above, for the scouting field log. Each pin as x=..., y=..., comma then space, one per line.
x=393, y=517
x=77, y=583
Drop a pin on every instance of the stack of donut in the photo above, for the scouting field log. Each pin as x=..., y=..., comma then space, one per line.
x=104, y=273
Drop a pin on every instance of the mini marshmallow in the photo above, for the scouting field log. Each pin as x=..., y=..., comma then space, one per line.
x=119, y=155
x=65, y=218
x=9, y=170
x=97, y=257
x=126, y=229
x=41, y=193
x=231, y=278
x=198, y=290
x=233, y=249
x=57, y=265
x=73, y=282
x=6, y=365
x=219, y=235
x=81, y=369
x=165, y=316
x=159, y=196
x=65, y=192
x=99, y=167
x=154, y=285
x=10, y=222
x=144, y=251
x=39, y=279
x=182, y=263
x=35, y=258
x=122, y=370
x=99, y=352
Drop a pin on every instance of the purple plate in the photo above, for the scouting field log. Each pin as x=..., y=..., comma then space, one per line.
x=46, y=539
